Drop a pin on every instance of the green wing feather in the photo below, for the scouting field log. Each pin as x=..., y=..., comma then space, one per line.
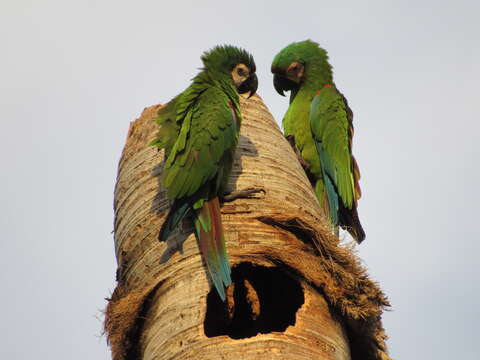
x=208, y=130
x=168, y=126
x=332, y=129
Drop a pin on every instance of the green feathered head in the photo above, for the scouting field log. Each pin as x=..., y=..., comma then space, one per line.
x=234, y=62
x=298, y=62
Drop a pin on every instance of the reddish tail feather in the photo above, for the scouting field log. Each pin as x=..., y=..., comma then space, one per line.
x=210, y=236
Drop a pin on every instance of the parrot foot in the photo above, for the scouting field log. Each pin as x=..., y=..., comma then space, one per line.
x=291, y=141
x=249, y=193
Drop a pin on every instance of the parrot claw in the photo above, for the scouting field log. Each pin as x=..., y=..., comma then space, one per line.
x=249, y=193
x=291, y=141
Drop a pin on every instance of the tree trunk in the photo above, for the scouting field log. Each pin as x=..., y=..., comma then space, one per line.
x=296, y=294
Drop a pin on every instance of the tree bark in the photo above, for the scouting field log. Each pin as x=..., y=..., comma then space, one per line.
x=297, y=294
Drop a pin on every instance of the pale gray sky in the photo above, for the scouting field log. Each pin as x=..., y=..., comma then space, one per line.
x=73, y=74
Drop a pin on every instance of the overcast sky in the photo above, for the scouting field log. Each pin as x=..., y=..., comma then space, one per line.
x=73, y=74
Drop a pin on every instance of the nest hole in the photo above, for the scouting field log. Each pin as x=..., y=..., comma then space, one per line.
x=260, y=300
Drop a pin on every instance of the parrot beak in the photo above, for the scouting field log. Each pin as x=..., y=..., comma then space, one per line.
x=253, y=83
x=282, y=84
x=277, y=84
x=250, y=85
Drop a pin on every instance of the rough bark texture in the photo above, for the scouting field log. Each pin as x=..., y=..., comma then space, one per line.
x=297, y=294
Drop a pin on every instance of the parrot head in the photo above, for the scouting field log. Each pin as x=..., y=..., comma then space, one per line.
x=234, y=63
x=295, y=63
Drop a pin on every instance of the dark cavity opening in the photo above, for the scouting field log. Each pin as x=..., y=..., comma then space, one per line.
x=261, y=300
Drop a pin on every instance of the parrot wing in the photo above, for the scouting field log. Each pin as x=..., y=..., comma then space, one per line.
x=168, y=126
x=209, y=128
x=332, y=129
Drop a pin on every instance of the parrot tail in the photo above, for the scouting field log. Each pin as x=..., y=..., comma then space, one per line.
x=333, y=203
x=209, y=231
x=349, y=221
x=336, y=212
x=180, y=209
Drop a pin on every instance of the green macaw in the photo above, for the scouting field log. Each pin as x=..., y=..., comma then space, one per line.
x=199, y=130
x=318, y=122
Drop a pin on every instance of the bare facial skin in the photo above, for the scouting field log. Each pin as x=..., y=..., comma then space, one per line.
x=295, y=71
x=240, y=73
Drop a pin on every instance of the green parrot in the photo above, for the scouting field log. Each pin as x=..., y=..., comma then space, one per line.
x=318, y=123
x=199, y=130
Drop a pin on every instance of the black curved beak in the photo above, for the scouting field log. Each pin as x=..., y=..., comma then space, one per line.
x=282, y=84
x=249, y=85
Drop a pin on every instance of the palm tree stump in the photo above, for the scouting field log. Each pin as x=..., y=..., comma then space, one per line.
x=297, y=294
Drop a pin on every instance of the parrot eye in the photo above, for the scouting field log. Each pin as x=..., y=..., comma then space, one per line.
x=295, y=71
x=295, y=67
x=239, y=74
x=241, y=70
